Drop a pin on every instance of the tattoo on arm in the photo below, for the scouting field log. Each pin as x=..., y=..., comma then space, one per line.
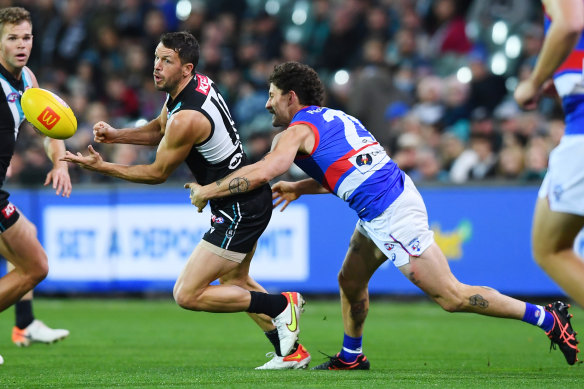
x=219, y=181
x=238, y=185
x=478, y=301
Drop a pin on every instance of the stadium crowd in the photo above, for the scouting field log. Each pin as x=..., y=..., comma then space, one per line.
x=419, y=74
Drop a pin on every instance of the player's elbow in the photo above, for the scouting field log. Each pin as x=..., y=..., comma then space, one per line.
x=156, y=179
x=572, y=28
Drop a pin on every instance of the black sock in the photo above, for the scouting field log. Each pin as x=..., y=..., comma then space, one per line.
x=275, y=340
x=269, y=304
x=23, y=313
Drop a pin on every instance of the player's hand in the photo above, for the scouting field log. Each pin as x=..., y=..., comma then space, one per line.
x=103, y=132
x=61, y=180
x=527, y=94
x=195, y=195
x=283, y=192
x=92, y=161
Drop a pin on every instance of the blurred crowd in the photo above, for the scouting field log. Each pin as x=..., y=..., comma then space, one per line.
x=418, y=74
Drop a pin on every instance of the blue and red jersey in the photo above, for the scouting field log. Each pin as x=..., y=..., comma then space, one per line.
x=348, y=161
x=569, y=82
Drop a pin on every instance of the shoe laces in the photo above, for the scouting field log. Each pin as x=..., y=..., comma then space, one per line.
x=331, y=358
x=564, y=335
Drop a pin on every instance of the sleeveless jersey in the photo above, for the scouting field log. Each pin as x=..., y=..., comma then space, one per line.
x=222, y=152
x=11, y=117
x=348, y=161
x=569, y=82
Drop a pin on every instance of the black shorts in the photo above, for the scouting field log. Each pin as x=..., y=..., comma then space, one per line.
x=8, y=215
x=237, y=223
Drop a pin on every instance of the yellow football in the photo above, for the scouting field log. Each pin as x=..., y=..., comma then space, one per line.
x=48, y=113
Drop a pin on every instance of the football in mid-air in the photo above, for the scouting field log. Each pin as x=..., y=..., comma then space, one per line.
x=48, y=113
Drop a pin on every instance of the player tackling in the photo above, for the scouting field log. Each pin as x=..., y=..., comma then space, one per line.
x=195, y=127
x=343, y=158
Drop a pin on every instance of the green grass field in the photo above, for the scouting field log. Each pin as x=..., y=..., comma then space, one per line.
x=155, y=344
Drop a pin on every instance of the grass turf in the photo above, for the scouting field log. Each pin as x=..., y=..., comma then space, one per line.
x=155, y=344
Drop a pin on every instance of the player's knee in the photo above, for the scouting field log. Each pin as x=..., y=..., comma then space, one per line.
x=35, y=274
x=350, y=285
x=451, y=300
x=187, y=300
x=451, y=304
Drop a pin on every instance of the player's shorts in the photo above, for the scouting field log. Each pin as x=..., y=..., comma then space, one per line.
x=563, y=184
x=236, y=225
x=8, y=215
x=402, y=230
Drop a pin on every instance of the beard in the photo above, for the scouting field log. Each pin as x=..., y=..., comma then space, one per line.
x=167, y=84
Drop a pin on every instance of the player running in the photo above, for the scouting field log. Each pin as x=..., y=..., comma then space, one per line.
x=195, y=127
x=343, y=158
x=559, y=212
x=19, y=244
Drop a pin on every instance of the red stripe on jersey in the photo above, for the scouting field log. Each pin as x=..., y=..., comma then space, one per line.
x=340, y=167
x=316, y=136
x=573, y=62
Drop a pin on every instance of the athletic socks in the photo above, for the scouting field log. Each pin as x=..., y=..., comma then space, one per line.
x=352, y=348
x=269, y=304
x=23, y=313
x=275, y=340
x=538, y=316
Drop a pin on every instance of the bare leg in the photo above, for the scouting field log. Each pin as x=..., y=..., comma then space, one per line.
x=553, y=236
x=431, y=273
x=240, y=277
x=361, y=261
x=29, y=295
x=20, y=246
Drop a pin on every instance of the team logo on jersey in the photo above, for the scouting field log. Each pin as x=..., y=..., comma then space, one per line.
x=389, y=246
x=8, y=210
x=235, y=161
x=414, y=245
x=217, y=219
x=230, y=233
x=203, y=85
x=364, y=159
x=12, y=97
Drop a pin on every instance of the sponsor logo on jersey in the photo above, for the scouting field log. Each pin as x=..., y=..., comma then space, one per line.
x=203, y=85
x=217, y=219
x=48, y=118
x=12, y=97
x=8, y=210
x=230, y=232
x=364, y=159
x=235, y=161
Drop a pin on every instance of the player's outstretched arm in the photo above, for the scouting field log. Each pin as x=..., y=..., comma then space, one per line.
x=286, y=191
x=59, y=174
x=180, y=135
x=249, y=177
x=149, y=134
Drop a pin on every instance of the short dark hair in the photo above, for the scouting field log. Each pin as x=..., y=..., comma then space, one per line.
x=300, y=78
x=13, y=15
x=185, y=44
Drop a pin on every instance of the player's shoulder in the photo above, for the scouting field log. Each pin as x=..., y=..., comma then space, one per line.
x=188, y=125
x=31, y=75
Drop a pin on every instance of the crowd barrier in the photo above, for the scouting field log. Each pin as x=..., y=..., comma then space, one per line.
x=138, y=238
